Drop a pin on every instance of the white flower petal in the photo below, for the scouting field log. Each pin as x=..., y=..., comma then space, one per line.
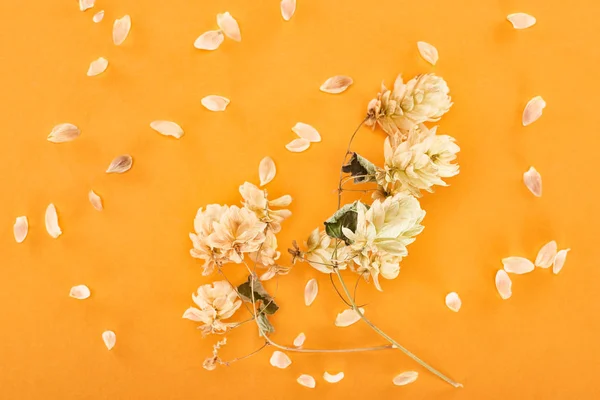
x=453, y=301
x=121, y=29
x=229, y=26
x=167, y=128
x=310, y=291
x=533, y=110
x=271, y=272
x=298, y=145
x=86, y=4
x=20, y=229
x=517, y=265
x=95, y=200
x=503, y=284
x=333, y=378
x=99, y=16
x=348, y=317
x=109, y=339
x=546, y=255
x=336, y=84
x=266, y=170
x=97, y=66
x=521, y=20
x=120, y=164
x=215, y=103
x=533, y=181
x=299, y=341
x=210, y=40
x=280, y=360
x=288, y=8
x=62, y=133
x=52, y=221
x=307, y=132
x=80, y=292
x=559, y=260
x=405, y=378
x=307, y=381
x=193, y=314
x=428, y=52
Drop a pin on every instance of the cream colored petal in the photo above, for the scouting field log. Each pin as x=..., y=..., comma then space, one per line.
x=52, y=221
x=336, y=84
x=271, y=272
x=307, y=132
x=453, y=301
x=428, y=52
x=97, y=66
x=298, y=145
x=121, y=29
x=503, y=284
x=517, y=265
x=20, y=229
x=215, y=103
x=280, y=360
x=348, y=317
x=533, y=181
x=120, y=164
x=62, y=133
x=288, y=8
x=307, y=381
x=95, y=200
x=282, y=201
x=405, y=378
x=521, y=20
x=86, y=4
x=99, y=16
x=299, y=341
x=229, y=26
x=80, y=292
x=210, y=40
x=167, y=128
x=333, y=378
x=193, y=314
x=266, y=170
x=546, y=255
x=109, y=338
x=559, y=260
x=533, y=110
x=310, y=291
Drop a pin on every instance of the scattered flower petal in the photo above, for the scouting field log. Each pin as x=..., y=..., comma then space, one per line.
x=307, y=381
x=405, y=378
x=97, y=66
x=428, y=52
x=533, y=181
x=99, y=16
x=298, y=145
x=86, y=4
x=533, y=110
x=167, y=128
x=109, y=339
x=80, y=292
x=20, y=229
x=521, y=20
x=307, y=132
x=266, y=170
x=120, y=164
x=517, y=265
x=559, y=260
x=62, y=133
x=299, y=341
x=95, y=200
x=52, y=221
x=280, y=360
x=546, y=255
x=215, y=103
x=121, y=29
x=348, y=317
x=336, y=84
x=229, y=26
x=453, y=301
x=288, y=8
x=310, y=291
x=333, y=378
x=210, y=40
x=503, y=284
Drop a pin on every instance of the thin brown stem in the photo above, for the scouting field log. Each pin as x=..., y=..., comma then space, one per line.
x=228, y=363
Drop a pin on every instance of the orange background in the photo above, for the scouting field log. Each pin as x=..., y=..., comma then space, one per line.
x=541, y=344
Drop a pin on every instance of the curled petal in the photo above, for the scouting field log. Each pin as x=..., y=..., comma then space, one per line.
x=193, y=314
x=86, y=4
x=215, y=103
x=298, y=145
x=546, y=255
x=348, y=317
x=167, y=128
x=229, y=26
x=95, y=200
x=109, y=338
x=52, y=221
x=333, y=378
x=307, y=381
x=521, y=20
x=20, y=229
x=428, y=52
x=288, y=8
x=80, y=292
x=97, y=66
x=210, y=40
x=533, y=181
x=533, y=110
x=517, y=265
x=405, y=378
x=120, y=164
x=310, y=291
x=559, y=260
x=503, y=284
x=307, y=132
x=121, y=29
x=62, y=133
x=280, y=360
x=336, y=84
x=266, y=170
x=299, y=341
x=282, y=201
x=453, y=301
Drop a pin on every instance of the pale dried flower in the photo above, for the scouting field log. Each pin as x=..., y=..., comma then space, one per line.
x=321, y=251
x=256, y=200
x=216, y=302
x=204, y=227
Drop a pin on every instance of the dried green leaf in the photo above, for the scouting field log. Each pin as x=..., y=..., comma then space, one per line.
x=265, y=325
x=267, y=305
x=345, y=217
x=359, y=166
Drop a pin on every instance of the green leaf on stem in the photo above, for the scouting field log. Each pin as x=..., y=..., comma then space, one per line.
x=345, y=217
x=264, y=299
x=359, y=167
